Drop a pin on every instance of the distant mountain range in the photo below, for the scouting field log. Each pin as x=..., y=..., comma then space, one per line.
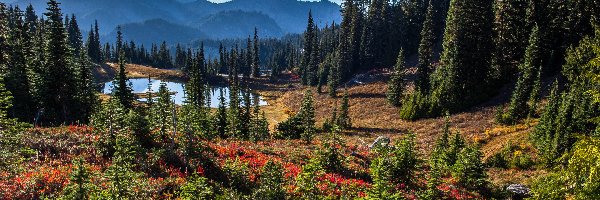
x=187, y=20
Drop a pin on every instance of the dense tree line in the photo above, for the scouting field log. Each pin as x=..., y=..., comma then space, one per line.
x=45, y=69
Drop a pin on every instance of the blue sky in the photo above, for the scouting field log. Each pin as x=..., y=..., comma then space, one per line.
x=221, y=1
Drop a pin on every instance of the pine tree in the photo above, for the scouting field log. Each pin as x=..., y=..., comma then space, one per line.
x=309, y=48
x=518, y=107
x=511, y=31
x=396, y=83
x=469, y=169
x=307, y=114
x=461, y=80
x=426, y=50
x=122, y=87
x=162, y=112
x=57, y=94
x=259, y=126
x=333, y=77
x=80, y=186
x=221, y=116
x=344, y=121
x=17, y=72
x=87, y=96
x=255, y=55
x=75, y=37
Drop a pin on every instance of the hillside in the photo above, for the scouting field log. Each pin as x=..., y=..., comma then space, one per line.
x=289, y=15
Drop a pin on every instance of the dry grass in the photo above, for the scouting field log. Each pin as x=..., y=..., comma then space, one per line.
x=372, y=116
x=141, y=71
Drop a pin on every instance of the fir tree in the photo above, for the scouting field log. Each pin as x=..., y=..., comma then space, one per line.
x=426, y=50
x=255, y=55
x=80, y=186
x=122, y=87
x=511, y=31
x=307, y=114
x=396, y=83
x=461, y=80
x=162, y=112
x=56, y=93
x=344, y=121
x=518, y=107
x=221, y=116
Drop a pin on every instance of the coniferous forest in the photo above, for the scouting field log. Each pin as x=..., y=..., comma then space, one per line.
x=401, y=99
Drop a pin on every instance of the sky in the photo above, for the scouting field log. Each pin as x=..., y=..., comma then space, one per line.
x=221, y=1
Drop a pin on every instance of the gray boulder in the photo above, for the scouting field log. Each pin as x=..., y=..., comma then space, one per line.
x=518, y=191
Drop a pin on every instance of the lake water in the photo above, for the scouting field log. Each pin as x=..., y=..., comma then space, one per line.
x=140, y=85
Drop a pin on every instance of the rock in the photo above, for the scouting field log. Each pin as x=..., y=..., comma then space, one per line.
x=518, y=191
x=381, y=141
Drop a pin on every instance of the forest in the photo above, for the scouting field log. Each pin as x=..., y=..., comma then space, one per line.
x=402, y=99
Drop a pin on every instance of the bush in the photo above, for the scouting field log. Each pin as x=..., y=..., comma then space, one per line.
x=469, y=171
x=271, y=182
x=196, y=188
x=237, y=175
x=415, y=106
x=291, y=128
x=307, y=180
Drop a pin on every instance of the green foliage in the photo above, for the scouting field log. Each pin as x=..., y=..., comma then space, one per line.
x=527, y=84
x=396, y=83
x=220, y=117
x=196, y=188
x=259, y=126
x=415, y=105
x=122, y=87
x=271, y=182
x=461, y=80
x=579, y=180
x=344, y=121
x=301, y=125
x=330, y=155
x=511, y=156
x=80, y=186
x=468, y=170
x=307, y=180
x=10, y=142
x=123, y=179
x=237, y=172
x=109, y=121
x=163, y=113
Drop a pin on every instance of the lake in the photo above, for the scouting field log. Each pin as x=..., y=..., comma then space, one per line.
x=140, y=85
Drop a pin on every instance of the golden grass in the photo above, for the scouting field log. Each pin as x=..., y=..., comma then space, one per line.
x=372, y=116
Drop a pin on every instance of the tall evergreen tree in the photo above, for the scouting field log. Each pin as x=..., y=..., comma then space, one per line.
x=344, y=121
x=57, y=93
x=396, y=83
x=461, y=81
x=510, y=29
x=221, y=116
x=518, y=107
x=255, y=55
x=426, y=49
x=122, y=87
x=307, y=114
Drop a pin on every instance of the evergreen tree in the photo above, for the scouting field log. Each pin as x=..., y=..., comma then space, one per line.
x=518, y=107
x=259, y=126
x=75, y=37
x=255, y=55
x=469, y=170
x=306, y=70
x=307, y=114
x=163, y=114
x=333, y=77
x=122, y=87
x=510, y=28
x=16, y=73
x=396, y=83
x=426, y=50
x=80, y=186
x=57, y=94
x=461, y=80
x=221, y=116
x=85, y=84
x=344, y=121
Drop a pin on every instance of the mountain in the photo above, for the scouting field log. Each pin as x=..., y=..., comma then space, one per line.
x=157, y=30
x=274, y=17
x=238, y=24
